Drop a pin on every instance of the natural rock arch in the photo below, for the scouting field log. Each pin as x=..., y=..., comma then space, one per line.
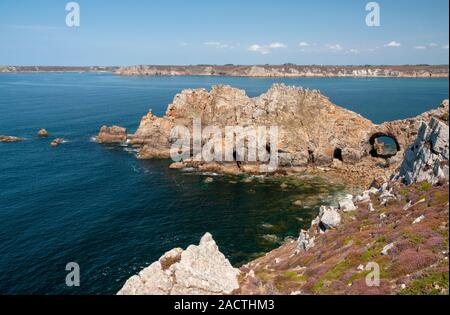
x=374, y=152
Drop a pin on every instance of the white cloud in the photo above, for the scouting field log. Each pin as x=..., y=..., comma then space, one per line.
x=420, y=47
x=335, y=47
x=259, y=49
x=217, y=45
x=445, y=47
x=303, y=44
x=354, y=51
x=183, y=44
x=266, y=49
x=277, y=45
x=393, y=44
x=433, y=45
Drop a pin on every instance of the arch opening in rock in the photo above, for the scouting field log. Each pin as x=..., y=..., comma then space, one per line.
x=337, y=154
x=384, y=145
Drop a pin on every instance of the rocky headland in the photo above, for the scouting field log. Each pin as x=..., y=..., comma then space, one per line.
x=398, y=230
x=314, y=135
x=274, y=71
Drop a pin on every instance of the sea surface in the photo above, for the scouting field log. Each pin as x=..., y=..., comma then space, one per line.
x=112, y=214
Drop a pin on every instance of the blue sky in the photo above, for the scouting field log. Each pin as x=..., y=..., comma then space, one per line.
x=219, y=32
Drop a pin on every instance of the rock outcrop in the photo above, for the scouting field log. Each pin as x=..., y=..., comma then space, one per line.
x=9, y=139
x=427, y=158
x=198, y=270
x=43, y=133
x=56, y=142
x=114, y=134
x=311, y=130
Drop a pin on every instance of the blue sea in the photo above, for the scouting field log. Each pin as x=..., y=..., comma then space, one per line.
x=112, y=214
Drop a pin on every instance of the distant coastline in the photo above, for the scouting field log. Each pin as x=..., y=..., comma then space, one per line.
x=262, y=71
x=58, y=69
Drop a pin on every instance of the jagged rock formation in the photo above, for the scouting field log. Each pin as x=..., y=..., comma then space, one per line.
x=427, y=158
x=288, y=71
x=198, y=270
x=312, y=130
x=112, y=134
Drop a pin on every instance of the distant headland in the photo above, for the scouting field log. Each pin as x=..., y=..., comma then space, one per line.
x=262, y=71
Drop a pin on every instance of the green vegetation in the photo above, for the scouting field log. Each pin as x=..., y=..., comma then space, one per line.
x=425, y=186
x=430, y=284
x=415, y=239
x=293, y=276
x=332, y=274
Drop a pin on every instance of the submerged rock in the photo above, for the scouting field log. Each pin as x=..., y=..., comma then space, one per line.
x=198, y=270
x=9, y=139
x=114, y=134
x=57, y=142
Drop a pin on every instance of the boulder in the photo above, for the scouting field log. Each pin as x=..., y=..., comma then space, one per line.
x=114, y=134
x=198, y=270
x=329, y=218
x=347, y=205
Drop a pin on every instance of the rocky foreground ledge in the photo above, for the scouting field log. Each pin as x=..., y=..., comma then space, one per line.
x=198, y=270
x=400, y=227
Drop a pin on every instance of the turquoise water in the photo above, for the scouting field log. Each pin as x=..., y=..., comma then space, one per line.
x=112, y=214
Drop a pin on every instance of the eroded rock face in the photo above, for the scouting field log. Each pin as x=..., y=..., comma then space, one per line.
x=198, y=270
x=114, y=134
x=427, y=158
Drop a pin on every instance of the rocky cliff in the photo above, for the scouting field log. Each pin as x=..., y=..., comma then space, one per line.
x=289, y=71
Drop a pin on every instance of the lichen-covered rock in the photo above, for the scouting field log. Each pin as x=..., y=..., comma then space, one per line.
x=198, y=270
x=114, y=134
x=427, y=158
